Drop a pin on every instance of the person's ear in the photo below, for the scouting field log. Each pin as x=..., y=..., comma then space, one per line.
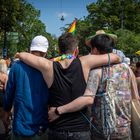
x=94, y=51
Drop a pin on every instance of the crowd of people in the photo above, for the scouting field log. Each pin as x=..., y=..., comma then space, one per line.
x=69, y=97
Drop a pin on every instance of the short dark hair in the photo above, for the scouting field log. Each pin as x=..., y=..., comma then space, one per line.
x=67, y=43
x=103, y=43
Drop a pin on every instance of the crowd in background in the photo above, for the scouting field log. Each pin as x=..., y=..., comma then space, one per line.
x=5, y=65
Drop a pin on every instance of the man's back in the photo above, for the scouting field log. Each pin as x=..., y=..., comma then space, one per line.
x=120, y=91
x=28, y=92
x=68, y=84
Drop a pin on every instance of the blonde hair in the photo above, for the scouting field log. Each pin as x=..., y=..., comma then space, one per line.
x=3, y=66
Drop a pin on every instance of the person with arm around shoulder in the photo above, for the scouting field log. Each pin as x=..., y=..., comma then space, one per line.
x=95, y=95
x=66, y=77
x=27, y=93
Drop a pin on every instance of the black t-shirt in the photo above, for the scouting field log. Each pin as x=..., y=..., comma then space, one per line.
x=68, y=84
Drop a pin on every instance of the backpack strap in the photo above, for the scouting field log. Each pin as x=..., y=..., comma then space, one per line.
x=103, y=73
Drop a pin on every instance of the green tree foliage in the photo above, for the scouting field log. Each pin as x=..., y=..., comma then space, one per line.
x=29, y=27
x=10, y=15
x=53, y=48
x=83, y=31
x=128, y=41
x=111, y=16
x=115, y=14
x=20, y=21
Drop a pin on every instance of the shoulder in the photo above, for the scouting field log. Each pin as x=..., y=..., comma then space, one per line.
x=18, y=65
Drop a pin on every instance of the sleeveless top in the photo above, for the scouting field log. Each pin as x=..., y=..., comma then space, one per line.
x=121, y=90
x=68, y=84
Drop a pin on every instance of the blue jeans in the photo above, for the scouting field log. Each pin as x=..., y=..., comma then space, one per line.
x=66, y=135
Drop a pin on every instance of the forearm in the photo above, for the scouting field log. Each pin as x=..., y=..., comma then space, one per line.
x=87, y=98
x=79, y=103
x=104, y=59
x=33, y=60
x=93, y=61
x=76, y=104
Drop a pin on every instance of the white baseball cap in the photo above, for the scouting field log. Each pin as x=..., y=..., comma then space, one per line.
x=39, y=43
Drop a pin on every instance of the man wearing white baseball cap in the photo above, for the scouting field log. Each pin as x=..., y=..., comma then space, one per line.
x=27, y=92
x=40, y=44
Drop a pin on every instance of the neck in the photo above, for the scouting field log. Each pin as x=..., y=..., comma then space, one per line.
x=64, y=56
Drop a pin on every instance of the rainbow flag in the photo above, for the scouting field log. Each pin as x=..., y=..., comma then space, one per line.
x=72, y=27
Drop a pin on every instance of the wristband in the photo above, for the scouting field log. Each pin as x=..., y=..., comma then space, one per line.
x=57, y=112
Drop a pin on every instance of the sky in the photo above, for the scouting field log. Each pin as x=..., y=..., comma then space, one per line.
x=52, y=11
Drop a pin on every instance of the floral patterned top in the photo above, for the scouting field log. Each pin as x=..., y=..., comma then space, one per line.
x=120, y=93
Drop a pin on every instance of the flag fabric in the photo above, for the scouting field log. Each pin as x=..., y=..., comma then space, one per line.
x=72, y=27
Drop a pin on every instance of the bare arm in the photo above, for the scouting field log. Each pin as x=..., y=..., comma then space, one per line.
x=37, y=62
x=93, y=61
x=82, y=101
x=42, y=64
